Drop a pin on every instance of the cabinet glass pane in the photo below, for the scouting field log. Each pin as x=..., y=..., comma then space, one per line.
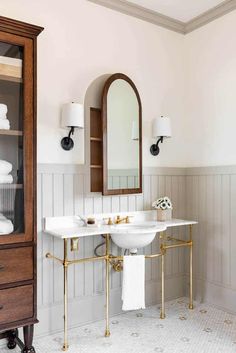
x=11, y=140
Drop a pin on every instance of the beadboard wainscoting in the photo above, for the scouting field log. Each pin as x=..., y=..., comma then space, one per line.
x=62, y=192
x=211, y=199
x=207, y=195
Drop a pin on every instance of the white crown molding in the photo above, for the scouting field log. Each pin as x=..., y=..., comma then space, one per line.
x=142, y=13
x=165, y=21
x=211, y=15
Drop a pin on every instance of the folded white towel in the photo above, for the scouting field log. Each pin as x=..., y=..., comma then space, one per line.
x=3, y=109
x=3, y=117
x=6, y=179
x=6, y=226
x=133, y=289
x=5, y=167
x=4, y=124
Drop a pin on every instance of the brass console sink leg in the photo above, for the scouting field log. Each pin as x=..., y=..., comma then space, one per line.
x=191, y=269
x=162, y=315
x=65, y=267
x=107, y=331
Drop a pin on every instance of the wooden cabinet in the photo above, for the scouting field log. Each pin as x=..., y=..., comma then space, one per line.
x=18, y=181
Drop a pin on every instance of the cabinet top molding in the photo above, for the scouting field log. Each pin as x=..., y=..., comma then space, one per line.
x=18, y=27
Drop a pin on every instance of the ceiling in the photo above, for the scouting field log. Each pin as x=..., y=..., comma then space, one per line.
x=182, y=10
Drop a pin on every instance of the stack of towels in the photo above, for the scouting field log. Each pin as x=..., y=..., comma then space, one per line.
x=6, y=226
x=4, y=122
x=5, y=170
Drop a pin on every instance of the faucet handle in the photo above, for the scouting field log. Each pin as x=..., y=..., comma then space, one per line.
x=109, y=223
x=127, y=220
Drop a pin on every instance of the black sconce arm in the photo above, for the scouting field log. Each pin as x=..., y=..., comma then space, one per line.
x=155, y=149
x=67, y=143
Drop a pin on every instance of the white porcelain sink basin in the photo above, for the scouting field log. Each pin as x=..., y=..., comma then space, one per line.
x=136, y=235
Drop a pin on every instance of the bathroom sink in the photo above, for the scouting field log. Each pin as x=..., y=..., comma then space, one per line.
x=133, y=236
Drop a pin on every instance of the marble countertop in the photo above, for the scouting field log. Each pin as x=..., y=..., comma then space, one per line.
x=71, y=227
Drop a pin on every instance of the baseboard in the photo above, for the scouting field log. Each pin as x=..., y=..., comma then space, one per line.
x=213, y=294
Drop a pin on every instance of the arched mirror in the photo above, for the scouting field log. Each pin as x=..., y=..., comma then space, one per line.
x=122, y=136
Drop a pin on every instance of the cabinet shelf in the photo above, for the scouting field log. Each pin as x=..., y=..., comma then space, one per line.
x=11, y=132
x=11, y=186
x=96, y=166
x=97, y=139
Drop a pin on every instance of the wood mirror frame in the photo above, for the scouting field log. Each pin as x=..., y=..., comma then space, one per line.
x=107, y=85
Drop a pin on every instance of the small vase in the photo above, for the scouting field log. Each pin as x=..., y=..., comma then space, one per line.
x=164, y=215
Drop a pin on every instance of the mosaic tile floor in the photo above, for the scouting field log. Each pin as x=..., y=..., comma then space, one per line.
x=202, y=330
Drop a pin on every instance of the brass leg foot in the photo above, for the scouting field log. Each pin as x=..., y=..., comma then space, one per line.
x=65, y=347
x=162, y=316
x=107, y=333
x=190, y=306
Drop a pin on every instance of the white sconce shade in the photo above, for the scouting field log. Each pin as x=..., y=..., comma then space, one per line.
x=161, y=127
x=72, y=115
x=135, y=131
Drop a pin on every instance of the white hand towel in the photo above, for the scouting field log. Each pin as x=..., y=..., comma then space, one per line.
x=133, y=289
x=3, y=117
x=6, y=226
x=3, y=109
x=5, y=167
x=4, y=124
x=6, y=179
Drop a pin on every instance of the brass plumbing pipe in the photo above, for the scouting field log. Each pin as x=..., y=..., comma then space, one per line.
x=169, y=238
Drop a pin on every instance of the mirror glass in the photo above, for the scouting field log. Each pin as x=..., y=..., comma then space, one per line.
x=123, y=122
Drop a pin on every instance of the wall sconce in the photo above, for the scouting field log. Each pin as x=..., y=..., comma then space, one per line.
x=161, y=127
x=73, y=117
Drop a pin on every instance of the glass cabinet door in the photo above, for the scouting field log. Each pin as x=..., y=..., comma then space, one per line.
x=16, y=149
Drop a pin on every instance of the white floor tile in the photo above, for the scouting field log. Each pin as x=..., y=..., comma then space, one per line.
x=202, y=330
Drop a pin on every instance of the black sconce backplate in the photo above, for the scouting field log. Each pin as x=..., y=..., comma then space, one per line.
x=154, y=149
x=67, y=143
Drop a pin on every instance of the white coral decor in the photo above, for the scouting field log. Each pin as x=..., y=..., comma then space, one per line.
x=164, y=203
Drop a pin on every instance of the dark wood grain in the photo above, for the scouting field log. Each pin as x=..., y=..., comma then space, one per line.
x=95, y=123
x=16, y=265
x=18, y=27
x=16, y=303
x=96, y=179
x=108, y=83
x=96, y=152
x=28, y=339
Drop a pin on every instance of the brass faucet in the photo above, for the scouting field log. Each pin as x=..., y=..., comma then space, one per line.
x=109, y=221
x=119, y=220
